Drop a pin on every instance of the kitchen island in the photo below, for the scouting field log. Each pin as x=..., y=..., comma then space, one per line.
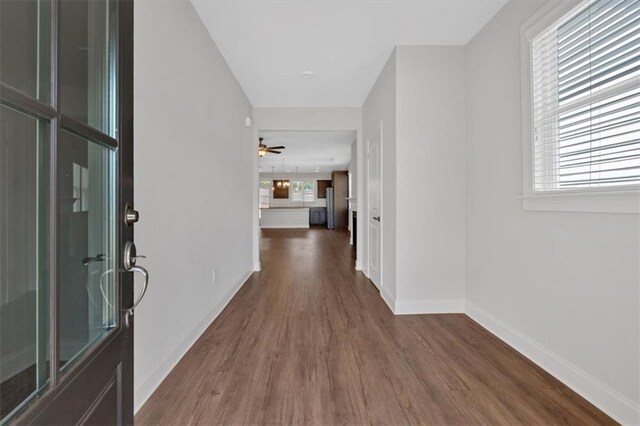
x=284, y=217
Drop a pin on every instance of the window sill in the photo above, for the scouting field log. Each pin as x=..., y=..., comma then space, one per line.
x=593, y=202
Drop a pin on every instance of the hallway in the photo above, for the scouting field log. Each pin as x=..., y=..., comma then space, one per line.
x=308, y=340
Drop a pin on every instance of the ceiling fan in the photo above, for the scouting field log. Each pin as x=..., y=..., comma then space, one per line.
x=264, y=149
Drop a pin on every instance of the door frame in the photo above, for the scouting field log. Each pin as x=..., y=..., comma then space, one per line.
x=56, y=402
x=377, y=128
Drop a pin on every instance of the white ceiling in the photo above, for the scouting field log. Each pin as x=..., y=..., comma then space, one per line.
x=311, y=152
x=268, y=43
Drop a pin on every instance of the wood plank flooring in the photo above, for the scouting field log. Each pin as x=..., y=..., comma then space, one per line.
x=308, y=340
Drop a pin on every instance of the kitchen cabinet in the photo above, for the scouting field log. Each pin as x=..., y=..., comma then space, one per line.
x=322, y=188
x=340, y=183
x=280, y=189
x=317, y=216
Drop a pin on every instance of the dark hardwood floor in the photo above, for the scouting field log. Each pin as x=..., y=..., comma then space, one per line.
x=308, y=340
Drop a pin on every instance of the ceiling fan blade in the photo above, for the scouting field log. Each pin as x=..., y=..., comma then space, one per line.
x=277, y=147
x=274, y=152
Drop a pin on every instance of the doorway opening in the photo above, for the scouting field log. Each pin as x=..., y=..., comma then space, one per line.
x=307, y=181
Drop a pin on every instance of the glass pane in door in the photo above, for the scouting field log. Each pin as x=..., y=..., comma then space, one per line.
x=87, y=62
x=86, y=244
x=25, y=46
x=24, y=290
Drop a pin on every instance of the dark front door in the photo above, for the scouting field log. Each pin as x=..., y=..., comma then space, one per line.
x=66, y=181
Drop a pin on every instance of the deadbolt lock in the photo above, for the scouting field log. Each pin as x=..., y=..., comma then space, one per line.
x=131, y=216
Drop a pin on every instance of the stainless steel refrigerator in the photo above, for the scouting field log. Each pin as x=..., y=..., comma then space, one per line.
x=330, y=209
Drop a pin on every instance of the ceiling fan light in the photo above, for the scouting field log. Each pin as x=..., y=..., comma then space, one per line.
x=263, y=149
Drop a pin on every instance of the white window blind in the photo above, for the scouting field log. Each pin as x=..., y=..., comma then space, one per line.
x=265, y=192
x=586, y=98
x=303, y=191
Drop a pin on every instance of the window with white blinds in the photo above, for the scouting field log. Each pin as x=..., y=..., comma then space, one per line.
x=303, y=191
x=585, y=81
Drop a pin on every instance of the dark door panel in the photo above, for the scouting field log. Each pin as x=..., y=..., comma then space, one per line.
x=66, y=151
x=79, y=397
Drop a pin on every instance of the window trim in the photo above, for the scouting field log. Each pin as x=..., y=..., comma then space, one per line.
x=596, y=200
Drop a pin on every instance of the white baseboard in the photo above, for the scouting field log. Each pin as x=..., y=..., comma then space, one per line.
x=257, y=266
x=358, y=265
x=422, y=306
x=144, y=390
x=390, y=301
x=428, y=306
x=620, y=408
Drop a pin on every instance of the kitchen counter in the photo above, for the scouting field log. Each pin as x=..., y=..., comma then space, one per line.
x=284, y=217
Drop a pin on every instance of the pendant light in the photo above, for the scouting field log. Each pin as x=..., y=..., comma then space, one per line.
x=283, y=183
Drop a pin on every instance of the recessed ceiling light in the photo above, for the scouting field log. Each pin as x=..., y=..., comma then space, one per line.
x=288, y=170
x=307, y=73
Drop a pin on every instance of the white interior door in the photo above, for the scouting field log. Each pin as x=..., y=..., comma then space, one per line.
x=374, y=168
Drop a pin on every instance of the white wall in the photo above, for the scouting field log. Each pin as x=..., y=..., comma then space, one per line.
x=420, y=99
x=305, y=119
x=353, y=172
x=191, y=149
x=561, y=287
x=380, y=105
x=353, y=169
x=430, y=179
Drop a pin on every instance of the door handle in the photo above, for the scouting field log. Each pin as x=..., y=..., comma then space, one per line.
x=130, y=258
x=129, y=312
x=376, y=218
x=98, y=258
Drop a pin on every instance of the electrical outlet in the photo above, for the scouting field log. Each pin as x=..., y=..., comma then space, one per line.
x=213, y=276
